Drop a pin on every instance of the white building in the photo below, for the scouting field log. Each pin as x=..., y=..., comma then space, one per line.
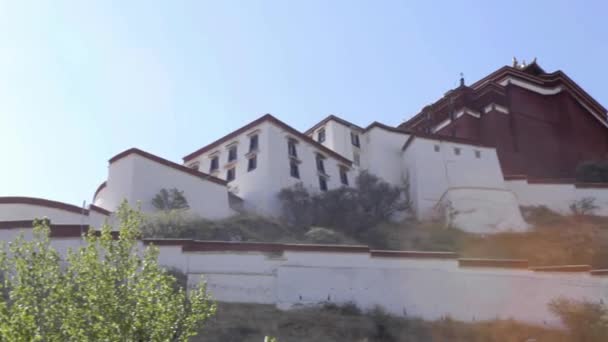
x=449, y=177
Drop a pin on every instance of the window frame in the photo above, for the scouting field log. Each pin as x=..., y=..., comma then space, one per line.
x=215, y=161
x=354, y=139
x=323, y=183
x=228, y=172
x=344, y=176
x=294, y=166
x=254, y=138
x=251, y=167
x=232, y=158
x=292, y=145
x=320, y=161
x=321, y=135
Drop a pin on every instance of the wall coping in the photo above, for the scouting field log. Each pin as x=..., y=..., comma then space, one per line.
x=413, y=254
x=599, y=272
x=563, y=268
x=500, y=263
x=565, y=181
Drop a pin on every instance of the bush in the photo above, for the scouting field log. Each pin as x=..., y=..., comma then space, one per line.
x=322, y=236
x=171, y=199
x=107, y=289
x=586, y=321
x=592, y=171
x=350, y=210
x=178, y=224
x=583, y=207
x=541, y=215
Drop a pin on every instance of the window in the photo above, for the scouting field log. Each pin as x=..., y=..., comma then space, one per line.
x=321, y=135
x=322, y=183
x=354, y=139
x=356, y=159
x=252, y=163
x=194, y=166
x=344, y=175
x=230, y=174
x=253, y=143
x=477, y=154
x=215, y=164
x=294, y=170
x=232, y=154
x=436, y=148
x=457, y=151
x=291, y=147
x=320, y=163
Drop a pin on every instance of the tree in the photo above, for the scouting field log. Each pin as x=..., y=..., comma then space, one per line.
x=107, y=290
x=586, y=321
x=350, y=210
x=171, y=199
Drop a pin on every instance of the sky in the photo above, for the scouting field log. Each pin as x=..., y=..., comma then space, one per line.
x=81, y=81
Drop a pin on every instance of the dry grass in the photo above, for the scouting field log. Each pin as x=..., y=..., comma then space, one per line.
x=251, y=322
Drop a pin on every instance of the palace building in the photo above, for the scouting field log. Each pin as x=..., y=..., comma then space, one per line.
x=474, y=157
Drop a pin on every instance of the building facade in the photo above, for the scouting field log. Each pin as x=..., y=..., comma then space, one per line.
x=473, y=157
x=541, y=124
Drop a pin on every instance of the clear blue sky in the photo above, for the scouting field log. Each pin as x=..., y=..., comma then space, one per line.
x=81, y=81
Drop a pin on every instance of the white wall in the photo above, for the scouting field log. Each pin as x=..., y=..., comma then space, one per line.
x=29, y=212
x=138, y=179
x=260, y=187
x=420, y=286
x=557, y=197
x=468, y=185
x=382, y=154
x=24, y=212
x=427, y=288
x=337, y=138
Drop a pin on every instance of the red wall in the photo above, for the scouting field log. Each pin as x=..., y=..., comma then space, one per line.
x=543, y=136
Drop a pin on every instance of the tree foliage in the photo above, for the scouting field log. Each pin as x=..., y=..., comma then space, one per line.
x=351, y=210
x=172, y=199
x=107, y=290
x=586, y=321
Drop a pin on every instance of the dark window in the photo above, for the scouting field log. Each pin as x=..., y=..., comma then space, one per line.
x=294, y=170
x=436, y=148
x=253, y=143
x=230, y=174
x=252, y=163
x=344, y=176
x=320, y=163
x=356, y=159
x=194, y=166
x=457, y=151
x=354, y=138
x=321, y=135
x=477, y=154
x=232, y=154
x=215, y=164
x=291, y=147
x=322, y=183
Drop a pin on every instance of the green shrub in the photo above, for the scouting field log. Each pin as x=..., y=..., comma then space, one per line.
x=171, y=199
x=349, y=210
x=586, y=321
x=541, y=215
x=346, y=309
x=178, y=224
x=583, y=207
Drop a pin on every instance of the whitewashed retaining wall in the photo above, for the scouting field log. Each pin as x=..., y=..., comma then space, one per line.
x=556, y=196
x=418, y=284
